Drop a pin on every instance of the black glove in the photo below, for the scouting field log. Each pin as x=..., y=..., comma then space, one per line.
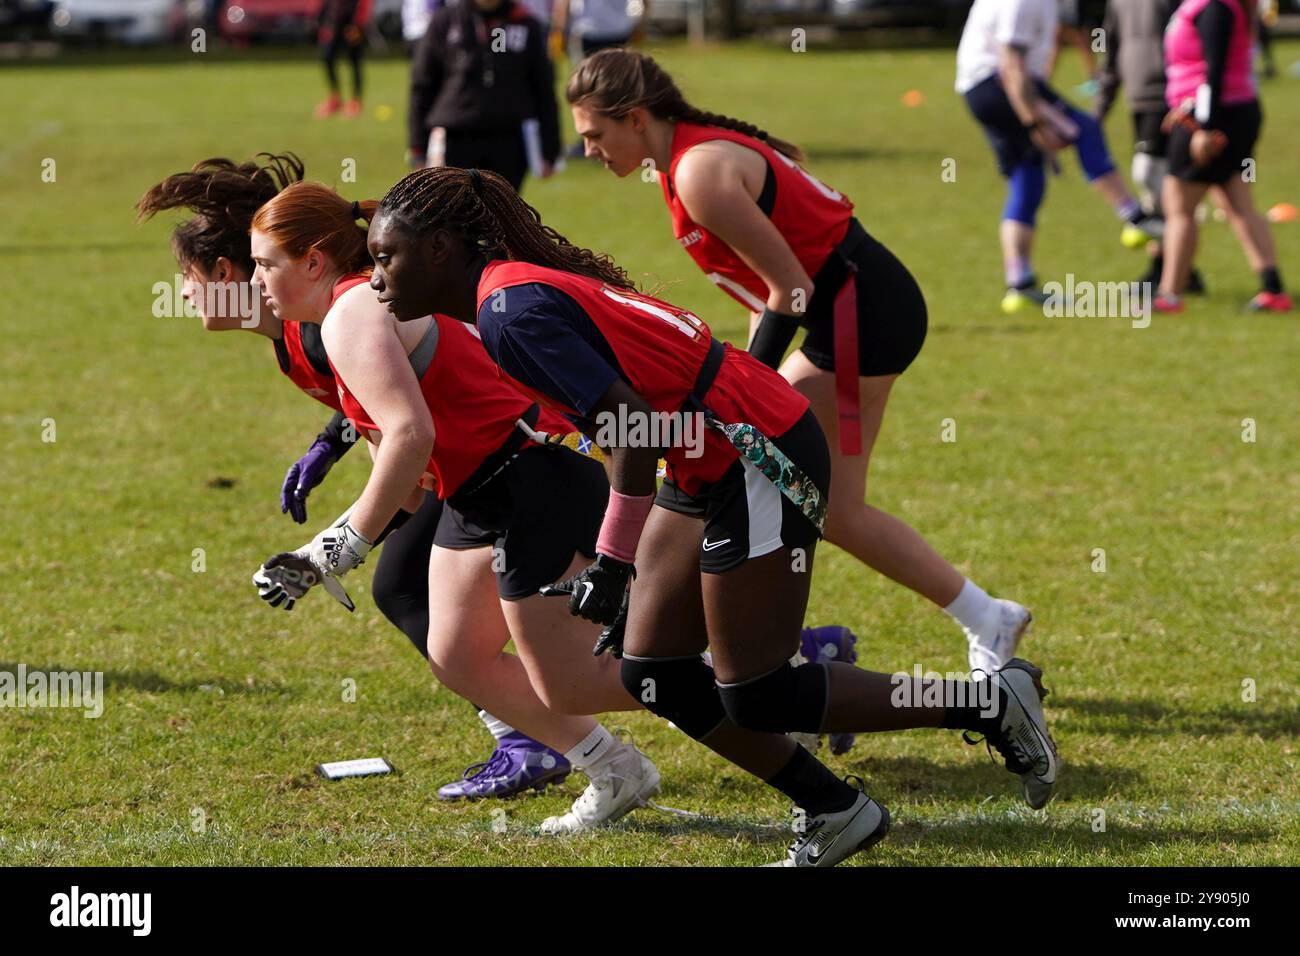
x=772, y=336
x=611, y=638
x=596, y=592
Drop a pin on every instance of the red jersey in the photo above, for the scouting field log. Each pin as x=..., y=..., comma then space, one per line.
x=810, y=216
x=301, y=356
x=473, y=410
x=659, y=350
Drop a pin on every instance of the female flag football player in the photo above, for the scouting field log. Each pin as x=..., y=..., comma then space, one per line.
x=515, y=514
x=789, y=249
x=725, y=558
x=212, y=249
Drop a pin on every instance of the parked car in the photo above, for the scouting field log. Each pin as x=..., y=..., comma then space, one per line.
x=948, y=14
x=25, y=18
x=242, y=21
x=120, y=21
x=386, y=17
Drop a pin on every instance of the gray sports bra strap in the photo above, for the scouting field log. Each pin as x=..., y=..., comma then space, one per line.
x=421, y=356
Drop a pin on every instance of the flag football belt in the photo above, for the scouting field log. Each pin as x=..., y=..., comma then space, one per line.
x=573, y=441
x=755, y=447
x=844, y=313
x=496, y=462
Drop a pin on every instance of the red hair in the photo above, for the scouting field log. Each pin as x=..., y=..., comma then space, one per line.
x=307, y=216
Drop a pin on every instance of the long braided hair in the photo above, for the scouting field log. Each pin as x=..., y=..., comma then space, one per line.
x=489, y=215
x=223, y=195
x=614, y=82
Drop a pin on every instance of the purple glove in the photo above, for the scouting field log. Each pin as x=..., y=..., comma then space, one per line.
x=304, y=475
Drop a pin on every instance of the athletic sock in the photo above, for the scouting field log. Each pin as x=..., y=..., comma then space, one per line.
x=1130, y=210
x=1020, y=274
x=1271, y=280
x=496, y=727
x=969, y=710
x=972, y=608
x=811, y=785
x=592, y=750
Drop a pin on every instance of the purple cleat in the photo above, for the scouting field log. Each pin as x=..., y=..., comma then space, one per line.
x=821, y=645
x=519, y=763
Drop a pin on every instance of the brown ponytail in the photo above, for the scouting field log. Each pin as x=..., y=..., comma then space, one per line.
x=223, y=195
x=489, y=215
x=308, y=216
x=614, y=82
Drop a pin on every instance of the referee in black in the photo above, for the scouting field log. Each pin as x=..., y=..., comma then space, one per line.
x=481, y=85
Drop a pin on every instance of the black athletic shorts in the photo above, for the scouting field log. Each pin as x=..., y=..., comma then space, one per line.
x=745, y=515
x=892, y=318
x=1148, y=137
x=988, y=103
x=1240, y=123
x=543, y=507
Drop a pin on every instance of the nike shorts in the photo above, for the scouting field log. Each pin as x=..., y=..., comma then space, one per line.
x=745, y=515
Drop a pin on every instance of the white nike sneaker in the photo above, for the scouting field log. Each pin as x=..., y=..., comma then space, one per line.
x=992, y=649
x=623, y=782
x=1022, y=735
x=829, y=838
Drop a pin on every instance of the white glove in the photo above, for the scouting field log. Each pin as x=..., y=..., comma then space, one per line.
x=337, y=550
x=285, y=578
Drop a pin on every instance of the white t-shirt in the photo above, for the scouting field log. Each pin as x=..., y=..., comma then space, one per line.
x=604, y=19
x=1028, y=24
x=416, y=15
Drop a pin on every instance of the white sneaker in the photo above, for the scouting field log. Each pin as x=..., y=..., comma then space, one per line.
x=829, y=838
x=1023, y=739
x=623, y=782
x=998, y=641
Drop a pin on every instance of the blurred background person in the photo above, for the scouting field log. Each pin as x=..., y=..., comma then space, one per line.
x=416, y=15
x=1135, y=59
x=1076, y=19
x=1264, y=28
x=342, y=28
x=584, y=27
x=542, y=10
x=483, y=92
x=1001, y=70
x=1213, y=124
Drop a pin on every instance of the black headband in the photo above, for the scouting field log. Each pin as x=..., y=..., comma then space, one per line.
x=356, y=211
x=475, y=180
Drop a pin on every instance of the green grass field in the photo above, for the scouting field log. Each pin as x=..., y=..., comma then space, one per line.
x=1073, y=434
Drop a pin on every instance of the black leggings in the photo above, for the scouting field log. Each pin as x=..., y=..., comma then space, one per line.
x=330, y=52
x=400, y=586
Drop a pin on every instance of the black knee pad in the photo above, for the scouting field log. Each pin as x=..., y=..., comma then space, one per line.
x=680, y=689
x=788, y=699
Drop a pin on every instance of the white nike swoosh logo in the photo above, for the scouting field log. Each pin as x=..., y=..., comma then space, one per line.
x=586, y=594
x=710, y=545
